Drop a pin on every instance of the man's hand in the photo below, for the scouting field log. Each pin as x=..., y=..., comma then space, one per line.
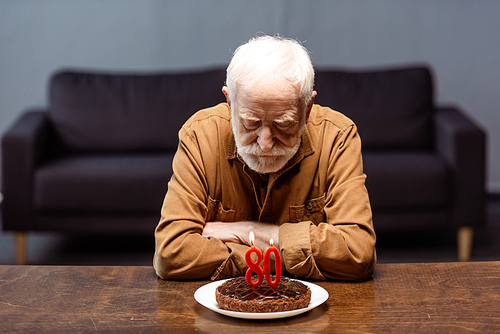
x=238, y=232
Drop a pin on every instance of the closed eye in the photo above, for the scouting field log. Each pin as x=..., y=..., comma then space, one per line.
x=283, y=125
x=251, y=124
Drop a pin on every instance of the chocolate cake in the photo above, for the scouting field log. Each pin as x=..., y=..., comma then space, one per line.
x=236, y=295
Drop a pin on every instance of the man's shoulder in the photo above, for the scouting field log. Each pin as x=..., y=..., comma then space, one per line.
x=321, y=115
x=218, y=113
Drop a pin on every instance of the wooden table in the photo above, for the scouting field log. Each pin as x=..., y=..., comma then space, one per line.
x=401, y=298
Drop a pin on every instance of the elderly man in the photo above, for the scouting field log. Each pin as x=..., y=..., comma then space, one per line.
x=272, y=162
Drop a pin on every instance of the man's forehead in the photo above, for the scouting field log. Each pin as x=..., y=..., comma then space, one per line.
x=268, y=96
x=272, y=83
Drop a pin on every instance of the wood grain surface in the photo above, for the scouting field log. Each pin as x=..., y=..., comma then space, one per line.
x=401, y=298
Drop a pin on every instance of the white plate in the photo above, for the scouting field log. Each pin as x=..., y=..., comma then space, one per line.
x=205, y=295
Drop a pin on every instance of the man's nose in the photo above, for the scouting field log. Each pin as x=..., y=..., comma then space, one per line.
x=265, y=139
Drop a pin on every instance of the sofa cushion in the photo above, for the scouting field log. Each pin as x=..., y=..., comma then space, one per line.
x=406, y=180
x=392, y=108
x=100, y=183
x=117, y=112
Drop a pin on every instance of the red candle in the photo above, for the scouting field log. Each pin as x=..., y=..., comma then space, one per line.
x=267, y=265
x=253, y=266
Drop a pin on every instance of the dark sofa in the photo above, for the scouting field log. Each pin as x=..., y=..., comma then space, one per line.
x=98, y=159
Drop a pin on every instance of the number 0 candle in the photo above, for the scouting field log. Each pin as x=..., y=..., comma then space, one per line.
x=277, y=265
x=253, y=266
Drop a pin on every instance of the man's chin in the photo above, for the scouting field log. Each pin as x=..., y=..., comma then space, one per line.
x=265, y=165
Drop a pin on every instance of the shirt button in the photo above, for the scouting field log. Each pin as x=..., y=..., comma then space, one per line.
x=309, y=206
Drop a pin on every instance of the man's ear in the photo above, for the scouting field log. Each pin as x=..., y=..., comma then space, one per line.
x=224, y=90
x=310, y=104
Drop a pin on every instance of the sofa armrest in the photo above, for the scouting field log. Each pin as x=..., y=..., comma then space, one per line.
x=462, y=145
x=23, y=146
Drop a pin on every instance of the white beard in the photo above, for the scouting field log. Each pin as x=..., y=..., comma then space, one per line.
x=280, y=155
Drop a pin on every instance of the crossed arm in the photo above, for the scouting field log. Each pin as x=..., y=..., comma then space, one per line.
x=238, y=233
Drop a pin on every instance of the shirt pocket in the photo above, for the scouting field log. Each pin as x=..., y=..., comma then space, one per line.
x=312, y=210
x=216, y=212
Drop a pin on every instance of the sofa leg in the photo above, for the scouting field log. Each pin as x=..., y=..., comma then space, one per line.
x=465, y=238
x=20, y=240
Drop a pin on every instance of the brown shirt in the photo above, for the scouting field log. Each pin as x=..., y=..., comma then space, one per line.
x=319, y=201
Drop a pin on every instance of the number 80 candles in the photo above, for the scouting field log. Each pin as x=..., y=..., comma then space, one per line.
x=255, y=266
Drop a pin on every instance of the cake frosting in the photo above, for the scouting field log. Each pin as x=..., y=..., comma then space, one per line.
x=236, y=295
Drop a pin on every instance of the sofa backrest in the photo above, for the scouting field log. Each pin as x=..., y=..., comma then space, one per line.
x=119, y=112
x=392, y=108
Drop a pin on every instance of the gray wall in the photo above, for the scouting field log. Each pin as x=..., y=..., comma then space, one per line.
x=458, y=38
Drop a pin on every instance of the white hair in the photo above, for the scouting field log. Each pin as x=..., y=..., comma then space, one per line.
x=266, y=57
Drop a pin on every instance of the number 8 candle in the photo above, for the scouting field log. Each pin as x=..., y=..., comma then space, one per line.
x=267, y=265
x=253, y=266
